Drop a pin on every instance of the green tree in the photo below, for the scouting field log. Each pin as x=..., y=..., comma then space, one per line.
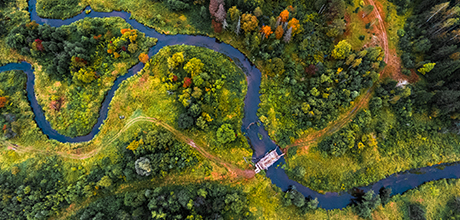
x=105, y=182
x=225, y=134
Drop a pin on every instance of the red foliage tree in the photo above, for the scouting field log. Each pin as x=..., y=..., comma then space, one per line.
x=38, y=44
x=2, y=101
x=311, y=70
x=217, y=26
x=187, y=82
x=175, y=78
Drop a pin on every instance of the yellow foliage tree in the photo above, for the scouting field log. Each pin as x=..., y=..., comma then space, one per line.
x=175, y=60
x=426, y=68
x=194, y=66
x=294, y=23
x=249, y=22
x=341, y=50
x=134, y=145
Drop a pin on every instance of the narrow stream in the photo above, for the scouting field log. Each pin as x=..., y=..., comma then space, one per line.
x=399, y=183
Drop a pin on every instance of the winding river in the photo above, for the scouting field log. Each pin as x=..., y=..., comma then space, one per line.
x=399, y=183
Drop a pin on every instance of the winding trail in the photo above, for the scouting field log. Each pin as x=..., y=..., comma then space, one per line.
x=76, y=153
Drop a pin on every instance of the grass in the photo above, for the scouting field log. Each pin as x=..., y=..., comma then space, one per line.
x=356, y=27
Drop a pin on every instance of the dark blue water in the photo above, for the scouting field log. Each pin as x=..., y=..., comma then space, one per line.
x=399, y=183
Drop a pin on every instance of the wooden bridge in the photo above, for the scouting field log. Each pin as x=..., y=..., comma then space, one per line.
x=267, y=161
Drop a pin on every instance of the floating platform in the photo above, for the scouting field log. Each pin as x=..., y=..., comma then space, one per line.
x=267, y=161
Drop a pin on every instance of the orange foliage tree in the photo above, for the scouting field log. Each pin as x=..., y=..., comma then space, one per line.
x=143, y=57
x=2, y=102
x=267, y=30
x=279, y=32
x=284, y=15
x=294, y=23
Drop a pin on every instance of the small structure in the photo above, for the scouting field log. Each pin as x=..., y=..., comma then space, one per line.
x=267, y=161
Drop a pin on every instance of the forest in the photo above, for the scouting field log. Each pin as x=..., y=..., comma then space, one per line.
x=351, y=92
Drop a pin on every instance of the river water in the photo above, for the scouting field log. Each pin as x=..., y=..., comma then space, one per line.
x=400, y=182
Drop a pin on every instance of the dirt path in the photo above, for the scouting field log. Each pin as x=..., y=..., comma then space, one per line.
x=76, y=154
x=392, y=66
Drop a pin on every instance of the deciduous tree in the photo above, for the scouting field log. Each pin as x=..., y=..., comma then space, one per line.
x=279, y=32
x=250, y=22
x=266, y=31
x=143, y=57
x=341, y=50
x=284, y=15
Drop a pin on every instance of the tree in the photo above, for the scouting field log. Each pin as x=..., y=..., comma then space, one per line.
x=284, y=15
x=234, y=13
x=176, y=5
x=105, y=182
x=217, y=26
x=184, y=121
x=175, y=60
x=194, y=66
x=426, y=68
x=214, y=6
x=416, y=212
x=85, y=75
x=385, y=193
x=142, y=166
x=258, y=12
x=287, y=36
x=341, y=50
x=3, y=101
x=294, y=24
x=336, y=28
x=369, y=202
x=266, y=31
x=250, y=22
x=143, y=57
x=221, y=14
x=279, y=32
x=187, y=82
x=225, y=134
